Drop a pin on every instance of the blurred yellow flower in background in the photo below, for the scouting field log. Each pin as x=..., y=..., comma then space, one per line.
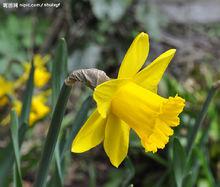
x=6, y=88
x=39, y=108
x=17, y=105
x=41, y=74
x=3, y=101
x=131, y=102
x=41, y=77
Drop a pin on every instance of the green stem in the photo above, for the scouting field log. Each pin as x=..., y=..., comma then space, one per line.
x=130, y=172
x=52, y=136
x=77, y=124
x=201, y=116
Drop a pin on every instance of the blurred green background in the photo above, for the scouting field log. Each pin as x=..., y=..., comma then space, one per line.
x=98, y=33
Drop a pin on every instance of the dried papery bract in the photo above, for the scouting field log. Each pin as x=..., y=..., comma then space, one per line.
x=90, y=77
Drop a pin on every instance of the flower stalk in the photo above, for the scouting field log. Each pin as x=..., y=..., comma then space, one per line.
x=201, y=116
x=90, y=77
x=52, y=136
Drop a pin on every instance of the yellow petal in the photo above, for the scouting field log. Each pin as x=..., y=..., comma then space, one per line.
x=135, y=56
x=150, y=76
x=90, y=135
x=116, y=140
x=104, y=92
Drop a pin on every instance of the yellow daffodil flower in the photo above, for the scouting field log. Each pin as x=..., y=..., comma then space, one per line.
x=6, y=88
x=17, y=106
x=39, y=109
x=41, y=75
x=40, y=61
x=131, y=101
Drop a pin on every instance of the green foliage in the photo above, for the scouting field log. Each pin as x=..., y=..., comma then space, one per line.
x=59, y=101
x=59, y=72
x=179, y=162
x=15, y=142
x=15, y=42
x=26, y=107
x=52, y=136
x=7, y=154
x=59, y=69
x=129, y=173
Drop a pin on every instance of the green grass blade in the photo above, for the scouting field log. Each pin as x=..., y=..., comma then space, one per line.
x=59, y=69
x=59, y=72
x=58, y=168
x=79, y=120
x=52, y=136
x=25, y=111
x=162, y=179
x=26, y=107
x=158, y=159
x=201, y=117
x=206, y=167
x=7, y=162
x=65, y=147
x=130, y=172
x=192, y=166
x=15, y=143
x=179, y=162
x=187, y=180
x=6, y=167
x=92, y=175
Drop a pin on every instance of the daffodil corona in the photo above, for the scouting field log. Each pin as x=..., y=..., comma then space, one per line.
x=131, y=102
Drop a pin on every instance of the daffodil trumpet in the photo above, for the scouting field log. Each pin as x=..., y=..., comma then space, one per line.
x=130, y=102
